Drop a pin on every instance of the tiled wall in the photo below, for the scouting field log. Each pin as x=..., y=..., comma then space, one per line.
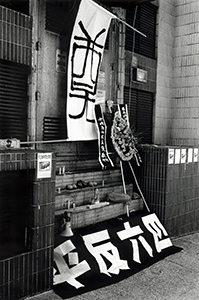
x=176, y=107
x=31, y=272
x=170, y=184
x=185, y=108
x=165, y=39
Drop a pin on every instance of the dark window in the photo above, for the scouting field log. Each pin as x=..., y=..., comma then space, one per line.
x=60, y=16
x=21, y=6
x=140, y=109
x=145, y=21
x=14, y=216
x=13, y=100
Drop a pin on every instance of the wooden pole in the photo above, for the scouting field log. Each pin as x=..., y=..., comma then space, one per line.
x=43, y=142
x=138, y=187
x=114, y=16
x=122, y=173
x=124, y=187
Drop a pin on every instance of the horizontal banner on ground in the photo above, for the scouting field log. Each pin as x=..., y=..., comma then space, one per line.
x=108, y=252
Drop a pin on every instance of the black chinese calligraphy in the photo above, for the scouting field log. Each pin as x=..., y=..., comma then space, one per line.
x=85, y=64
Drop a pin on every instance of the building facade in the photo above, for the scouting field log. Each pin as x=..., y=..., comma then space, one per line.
x=35, y=40
x=155, y=76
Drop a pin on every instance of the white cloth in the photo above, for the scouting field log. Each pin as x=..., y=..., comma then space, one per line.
x=85, y=56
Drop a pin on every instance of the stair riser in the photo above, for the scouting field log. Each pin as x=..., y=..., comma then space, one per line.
x=99, y=177
x=84, y=196
x=94, y=216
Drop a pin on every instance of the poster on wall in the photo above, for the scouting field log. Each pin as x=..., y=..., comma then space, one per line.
x=190, y=155
x=44, y=165
x=171, y=156
x=183, y=156
x=85, y=56
x=60, y=61
x=195, y=154
x=177, y=156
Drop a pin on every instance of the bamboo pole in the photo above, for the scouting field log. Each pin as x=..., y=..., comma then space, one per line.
x=122, y=173
x=43, y=142
x=116, y=17
x=124, y=187
x=138, y=187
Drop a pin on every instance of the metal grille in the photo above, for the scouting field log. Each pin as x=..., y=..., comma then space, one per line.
x=131, y=100
x=144, y=115
x=15, y=36
x=54, y=128
x=13, y=100
x=140, y=108
x=145, y=21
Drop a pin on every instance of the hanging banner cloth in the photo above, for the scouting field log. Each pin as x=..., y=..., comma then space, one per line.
x=104, y=158
x=85, y=56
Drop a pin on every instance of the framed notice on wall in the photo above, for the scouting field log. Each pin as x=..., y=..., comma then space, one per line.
x=44, y=165
x=60, y=61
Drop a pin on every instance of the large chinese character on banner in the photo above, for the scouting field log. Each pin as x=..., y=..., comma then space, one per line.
x=85, y=56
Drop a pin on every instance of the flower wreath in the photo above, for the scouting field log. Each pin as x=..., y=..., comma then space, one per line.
x=122, y=137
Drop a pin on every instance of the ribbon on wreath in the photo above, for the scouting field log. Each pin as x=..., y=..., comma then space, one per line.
x=104, y=157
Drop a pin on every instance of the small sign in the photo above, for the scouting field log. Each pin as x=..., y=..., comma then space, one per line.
x=138, y=75
x=190, y=155
x=171, y=156
x=183, y=156
x=195, y=155
x=177, y=156
x=60, y=61
x=9, y=143
x=44, y=165
x=134, y=61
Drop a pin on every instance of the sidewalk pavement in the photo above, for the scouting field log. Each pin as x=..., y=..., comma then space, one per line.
x=174, y=278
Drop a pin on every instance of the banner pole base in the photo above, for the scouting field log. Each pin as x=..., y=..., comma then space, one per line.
x=138, y=186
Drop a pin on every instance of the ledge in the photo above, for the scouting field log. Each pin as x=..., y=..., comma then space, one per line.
x=85, y=215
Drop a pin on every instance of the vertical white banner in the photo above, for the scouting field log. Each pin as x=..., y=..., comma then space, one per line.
x=85, y=56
